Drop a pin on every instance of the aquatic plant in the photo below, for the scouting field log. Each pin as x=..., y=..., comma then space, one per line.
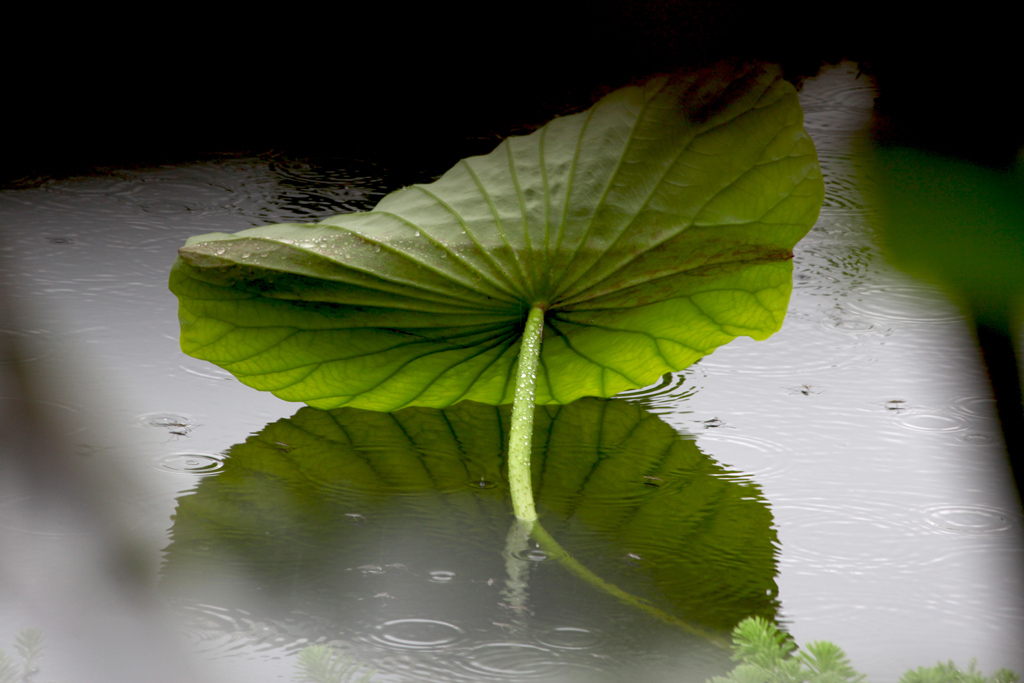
x=948, y=672
x=29, y=646
x=767, y=655
x=589, y=257
x=322, y=664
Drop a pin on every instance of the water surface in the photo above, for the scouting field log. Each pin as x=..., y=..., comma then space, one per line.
x=863, y=431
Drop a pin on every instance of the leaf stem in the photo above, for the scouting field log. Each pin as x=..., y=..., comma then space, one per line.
x=520, y=444
x=520, y=439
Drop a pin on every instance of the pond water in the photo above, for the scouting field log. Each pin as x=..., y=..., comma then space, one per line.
x=844, y=476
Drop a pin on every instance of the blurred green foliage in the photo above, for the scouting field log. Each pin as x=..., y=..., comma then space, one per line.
x=954, y=223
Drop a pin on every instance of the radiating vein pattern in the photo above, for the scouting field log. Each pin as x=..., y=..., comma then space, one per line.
x=653, y=228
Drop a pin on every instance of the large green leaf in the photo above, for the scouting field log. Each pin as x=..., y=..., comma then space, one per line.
x=632, y=500
x=653, y=228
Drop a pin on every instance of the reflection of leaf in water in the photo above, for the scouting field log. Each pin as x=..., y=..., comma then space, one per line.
x=632, y=500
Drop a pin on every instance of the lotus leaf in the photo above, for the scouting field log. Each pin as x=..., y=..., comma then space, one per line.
x=650, y=229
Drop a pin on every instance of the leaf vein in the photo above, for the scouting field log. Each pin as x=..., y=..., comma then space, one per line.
x=640, y=333
x=497, y=221
x=569, y=345
x=492, y=345
x=418, y=263
x=623, y=231
x=508, y=284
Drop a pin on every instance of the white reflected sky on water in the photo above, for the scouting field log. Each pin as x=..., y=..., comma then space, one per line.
x=865, y=420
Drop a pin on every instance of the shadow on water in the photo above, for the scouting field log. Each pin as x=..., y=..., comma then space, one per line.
x=391, y=533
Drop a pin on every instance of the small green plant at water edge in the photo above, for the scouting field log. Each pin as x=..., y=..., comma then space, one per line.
x=322, y=664
x=767, y=655
x=949, y=673
x=29, y=646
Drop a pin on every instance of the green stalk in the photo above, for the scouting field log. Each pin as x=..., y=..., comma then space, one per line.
x=520, y=440
x=520, y=444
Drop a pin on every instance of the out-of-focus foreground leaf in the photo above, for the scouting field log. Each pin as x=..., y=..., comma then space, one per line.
x=961, y=226
x=954, y=223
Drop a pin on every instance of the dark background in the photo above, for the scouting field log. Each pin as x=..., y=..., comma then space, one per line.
x=156, y=84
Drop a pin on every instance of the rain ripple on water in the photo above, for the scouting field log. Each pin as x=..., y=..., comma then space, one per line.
x=963, y=519
x=191, y=463
x=518, y=661
x=417, y=634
